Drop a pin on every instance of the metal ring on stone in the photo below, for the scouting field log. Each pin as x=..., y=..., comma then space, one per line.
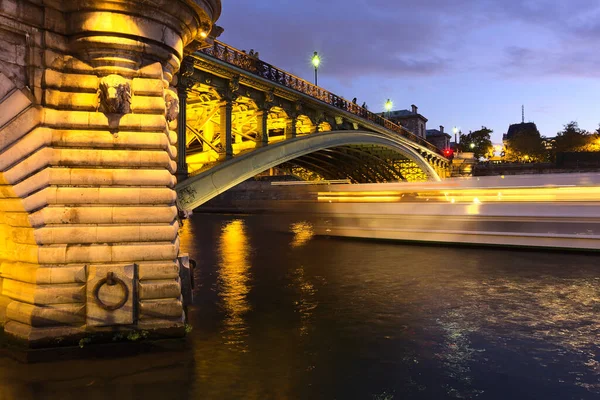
x=111, y=280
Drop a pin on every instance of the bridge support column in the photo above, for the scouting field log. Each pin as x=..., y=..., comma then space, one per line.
x=226, y=149
x=88, y=223
x=262, y=129
x=182, y=167
x=290, y=127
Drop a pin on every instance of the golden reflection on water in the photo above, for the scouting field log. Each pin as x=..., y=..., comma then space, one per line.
x=303, y=232
x=306, y=303
x=186, y=236
x=234, y=276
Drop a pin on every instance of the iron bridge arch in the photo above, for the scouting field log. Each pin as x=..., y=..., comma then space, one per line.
x=207, y=184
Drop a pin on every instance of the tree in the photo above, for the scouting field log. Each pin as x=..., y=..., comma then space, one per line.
x=595, y=141
x=572, y=138
x=526, y=146
x=478, y=142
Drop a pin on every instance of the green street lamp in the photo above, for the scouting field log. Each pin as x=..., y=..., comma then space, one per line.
x=388, y=106
x=472, y=145
x=316, y=60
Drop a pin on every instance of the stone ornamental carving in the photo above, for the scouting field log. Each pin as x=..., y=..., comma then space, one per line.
x=268, y=101
x=297, y=109
x=270, y=97
x=114, y=95
x=187, y=68
x=234, y=84
x=231, y=92
x=320, y=117
x=172, y=105
x=187, y=196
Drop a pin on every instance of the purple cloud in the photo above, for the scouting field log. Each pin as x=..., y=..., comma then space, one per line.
x=420, y=38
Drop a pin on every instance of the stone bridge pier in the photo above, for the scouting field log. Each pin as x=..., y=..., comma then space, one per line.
x=88, y=222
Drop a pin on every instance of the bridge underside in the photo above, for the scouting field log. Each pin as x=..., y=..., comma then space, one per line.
x=357, y=163
x=360, y=156
x=360, y=163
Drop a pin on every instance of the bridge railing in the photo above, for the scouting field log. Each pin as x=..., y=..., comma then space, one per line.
x=251, y=64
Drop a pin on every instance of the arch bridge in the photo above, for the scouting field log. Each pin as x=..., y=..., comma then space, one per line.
x=239, y=116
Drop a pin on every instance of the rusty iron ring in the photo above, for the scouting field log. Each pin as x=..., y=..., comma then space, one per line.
x=111, y=280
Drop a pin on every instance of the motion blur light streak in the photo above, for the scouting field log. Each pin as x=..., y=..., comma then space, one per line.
x=468, y=195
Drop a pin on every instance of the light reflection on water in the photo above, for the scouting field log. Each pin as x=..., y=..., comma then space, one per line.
x=303, y=232
x=291, y=316
x=234, y=277
x=306, y=302
x=544, y=311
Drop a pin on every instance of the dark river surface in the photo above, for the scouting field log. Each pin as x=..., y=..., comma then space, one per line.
x=289, y=316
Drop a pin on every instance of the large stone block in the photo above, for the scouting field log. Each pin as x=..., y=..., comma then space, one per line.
x=161, y=308
x=157, y=271
x=13, y=105
x=44, y=294
x=6, y=86
x=148, y=87
x=19, y=126
x=159, y=289
x=49, y=315
x=110, y=295
x=37, y=274
x=70, y=82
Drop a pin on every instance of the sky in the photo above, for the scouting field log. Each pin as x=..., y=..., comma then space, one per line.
x=464, y=63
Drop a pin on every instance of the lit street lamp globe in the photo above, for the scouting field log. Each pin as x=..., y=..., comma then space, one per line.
x=316, y=60
x=388, y=105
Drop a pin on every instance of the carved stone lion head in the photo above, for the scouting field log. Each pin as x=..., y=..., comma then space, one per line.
x=172, y=105
x=115, y=95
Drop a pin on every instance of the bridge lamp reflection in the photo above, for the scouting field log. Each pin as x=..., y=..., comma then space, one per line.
x=316, y=61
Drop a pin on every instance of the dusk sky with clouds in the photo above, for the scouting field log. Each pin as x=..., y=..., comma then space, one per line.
x=464, y=63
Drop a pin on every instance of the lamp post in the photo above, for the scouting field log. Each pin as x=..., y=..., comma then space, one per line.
x=316, y=60
x=388, y=107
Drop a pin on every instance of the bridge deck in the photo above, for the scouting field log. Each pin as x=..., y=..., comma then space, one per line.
x=257, y=67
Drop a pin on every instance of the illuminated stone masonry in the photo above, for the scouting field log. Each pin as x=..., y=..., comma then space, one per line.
x=88, y=152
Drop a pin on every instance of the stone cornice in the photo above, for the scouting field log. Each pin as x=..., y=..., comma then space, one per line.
x=143, y=31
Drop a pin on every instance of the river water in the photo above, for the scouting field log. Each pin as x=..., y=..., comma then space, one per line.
x=289, y=316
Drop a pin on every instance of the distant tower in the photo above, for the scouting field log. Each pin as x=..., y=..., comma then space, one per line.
x=522, y=114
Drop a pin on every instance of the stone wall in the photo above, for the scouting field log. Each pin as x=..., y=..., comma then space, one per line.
x=87, y=163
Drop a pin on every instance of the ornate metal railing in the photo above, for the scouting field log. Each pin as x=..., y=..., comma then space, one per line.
x=242, y=60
